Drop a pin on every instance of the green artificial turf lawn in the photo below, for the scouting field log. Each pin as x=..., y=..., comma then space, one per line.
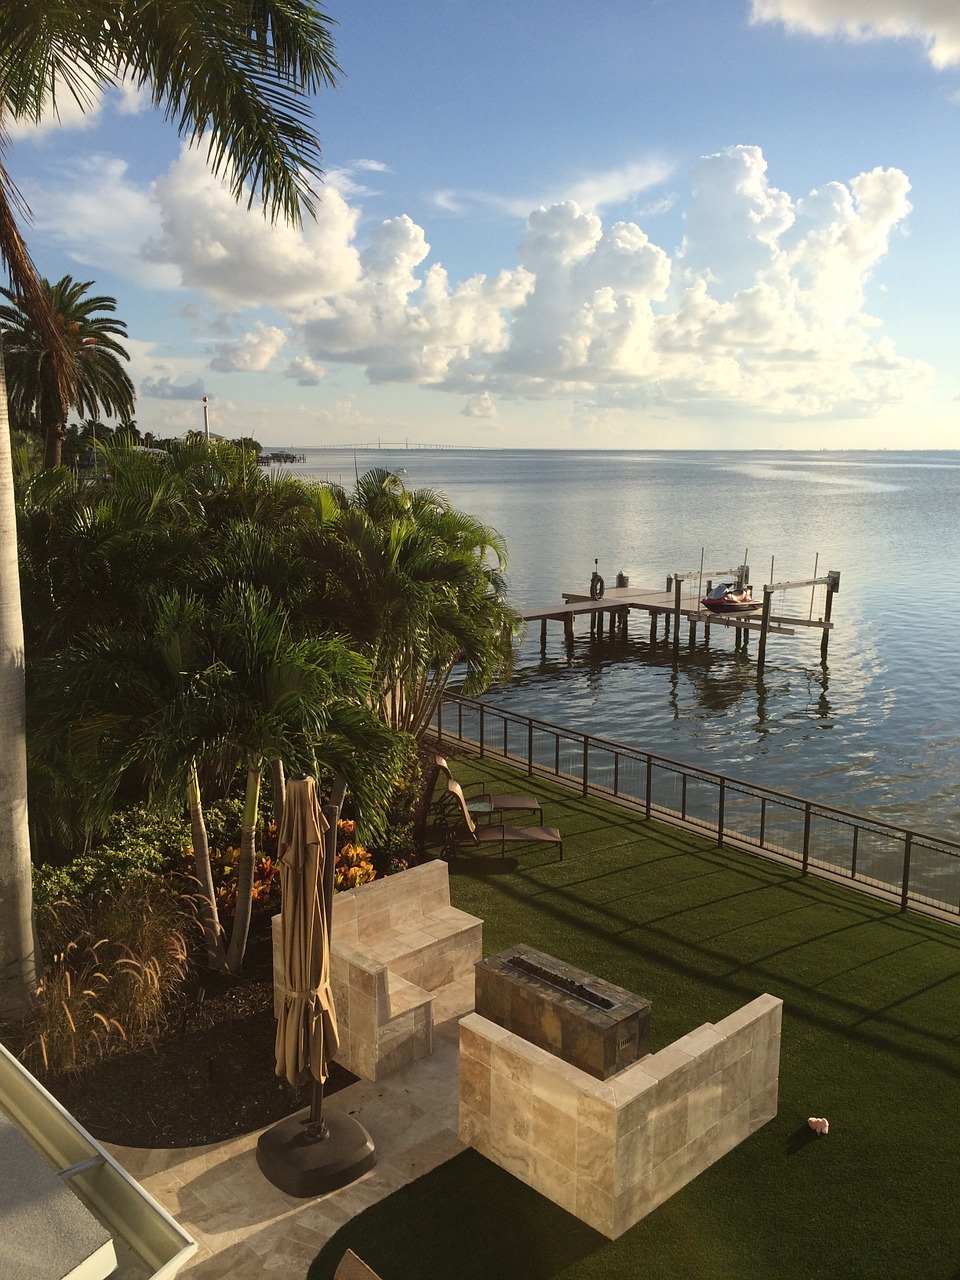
x=871, y=1039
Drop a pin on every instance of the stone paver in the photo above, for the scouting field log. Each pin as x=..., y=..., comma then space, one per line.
x=248, y=1230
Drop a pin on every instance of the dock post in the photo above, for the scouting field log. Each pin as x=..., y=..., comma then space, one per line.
x=612, y=628
x=692, y=634
x=764, y=626
x=677, y=590
x=653, y=627
x=543, y=635
x=568, y=628
x=706, y=625
x=833, y=584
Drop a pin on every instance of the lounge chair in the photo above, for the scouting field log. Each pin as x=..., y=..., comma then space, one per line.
x=461, y=828
x=485, y=803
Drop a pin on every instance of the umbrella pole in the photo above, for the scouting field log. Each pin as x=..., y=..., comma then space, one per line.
x=332, y=814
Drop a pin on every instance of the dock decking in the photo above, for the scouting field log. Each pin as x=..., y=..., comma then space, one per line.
x=617, y=603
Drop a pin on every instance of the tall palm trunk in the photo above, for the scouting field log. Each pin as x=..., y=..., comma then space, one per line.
x=278, y=784
x=212, y=933
x=245, y=867
x=18, y=977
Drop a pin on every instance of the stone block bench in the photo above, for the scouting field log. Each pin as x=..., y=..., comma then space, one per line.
x=397, y=942
x=610, y=1151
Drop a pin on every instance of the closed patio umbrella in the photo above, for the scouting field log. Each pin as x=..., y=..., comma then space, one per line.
x=307, y=1027
x=309, y=1153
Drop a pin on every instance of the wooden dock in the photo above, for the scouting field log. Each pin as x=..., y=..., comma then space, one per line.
x=666, y=608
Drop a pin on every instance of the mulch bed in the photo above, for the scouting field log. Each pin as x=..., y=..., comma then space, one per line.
x=209, y=1076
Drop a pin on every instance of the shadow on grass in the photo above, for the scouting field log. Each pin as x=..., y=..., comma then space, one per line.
x=801, y=1138
x=436, y=1227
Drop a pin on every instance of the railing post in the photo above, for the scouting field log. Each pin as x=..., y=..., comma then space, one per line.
x=649, y=788
x=763, y=819
x=806, y=838
x=616, y=773
x=905, y=890
x=506, y=741
x=586, y=765
x=853, y=860
x=529, y=748
x=720, y=808
x=683, y=796
x=556, y=755
x=482, y=731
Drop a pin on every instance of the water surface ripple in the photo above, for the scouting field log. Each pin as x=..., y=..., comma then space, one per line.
x=876, y=728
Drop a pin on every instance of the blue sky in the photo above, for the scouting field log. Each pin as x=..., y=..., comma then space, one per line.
x=636, y=224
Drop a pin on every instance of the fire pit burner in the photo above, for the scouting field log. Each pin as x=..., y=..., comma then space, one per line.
x=558, y=980
x=582, y=1019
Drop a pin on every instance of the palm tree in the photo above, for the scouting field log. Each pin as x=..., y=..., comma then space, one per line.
x=236, y=74
x=197, y=688
x=17, y=956
x=99, y=381
x=420, y=588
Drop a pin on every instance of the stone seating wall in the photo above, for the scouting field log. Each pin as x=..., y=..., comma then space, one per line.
x=611, y=1151
x=396, y=941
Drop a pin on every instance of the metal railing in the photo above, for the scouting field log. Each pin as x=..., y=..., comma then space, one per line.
x=920, y=870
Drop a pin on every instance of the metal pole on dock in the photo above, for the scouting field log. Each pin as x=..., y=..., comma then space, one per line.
x=677, y=591
x=764, y=627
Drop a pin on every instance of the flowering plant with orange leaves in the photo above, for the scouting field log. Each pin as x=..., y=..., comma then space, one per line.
x=353, y=866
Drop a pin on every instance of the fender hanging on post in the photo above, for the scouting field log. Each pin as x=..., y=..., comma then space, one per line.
x=596, y=583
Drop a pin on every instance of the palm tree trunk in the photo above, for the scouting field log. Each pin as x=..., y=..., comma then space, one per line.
x=245, y=867
x=278, y=785
x=53, y=446
x=18, y=977
x=212, y=933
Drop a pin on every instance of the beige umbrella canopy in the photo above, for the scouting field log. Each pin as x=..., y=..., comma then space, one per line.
x=313, y=1151
x=307, y=1026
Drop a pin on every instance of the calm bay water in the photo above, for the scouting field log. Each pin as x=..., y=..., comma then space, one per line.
x=875, y=729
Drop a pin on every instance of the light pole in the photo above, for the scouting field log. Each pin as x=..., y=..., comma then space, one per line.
x=206, y=419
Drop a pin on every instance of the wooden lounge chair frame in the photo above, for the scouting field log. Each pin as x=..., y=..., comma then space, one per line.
x=461, y=828
x=483, y=802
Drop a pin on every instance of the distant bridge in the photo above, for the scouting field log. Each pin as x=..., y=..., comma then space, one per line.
x=394, y=446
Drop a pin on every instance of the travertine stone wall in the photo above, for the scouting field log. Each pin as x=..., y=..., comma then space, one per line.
x=611, y=1151
x=395, y=942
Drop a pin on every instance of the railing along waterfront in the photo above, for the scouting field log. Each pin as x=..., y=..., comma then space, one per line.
x=920, y=870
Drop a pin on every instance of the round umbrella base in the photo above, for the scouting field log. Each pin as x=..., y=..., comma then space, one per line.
x=292, y=1157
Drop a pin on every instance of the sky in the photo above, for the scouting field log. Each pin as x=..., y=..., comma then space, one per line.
x=684, y=224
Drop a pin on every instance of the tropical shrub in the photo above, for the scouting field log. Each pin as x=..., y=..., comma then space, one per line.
x=354, y=865
x=138, y=842
x=223, y=823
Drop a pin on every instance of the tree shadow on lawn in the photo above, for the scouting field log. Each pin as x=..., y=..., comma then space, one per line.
x=437, y=1227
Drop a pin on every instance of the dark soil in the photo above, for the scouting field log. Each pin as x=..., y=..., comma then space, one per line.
x=209, y=1076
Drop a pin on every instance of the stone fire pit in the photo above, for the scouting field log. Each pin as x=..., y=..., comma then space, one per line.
x=592, y=1024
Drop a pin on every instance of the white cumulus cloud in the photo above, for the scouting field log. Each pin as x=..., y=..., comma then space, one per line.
x=304, y=371
x=763, y=309
x=252, y=354
x=480, y=406
x=236, y=255
x=934, y=22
